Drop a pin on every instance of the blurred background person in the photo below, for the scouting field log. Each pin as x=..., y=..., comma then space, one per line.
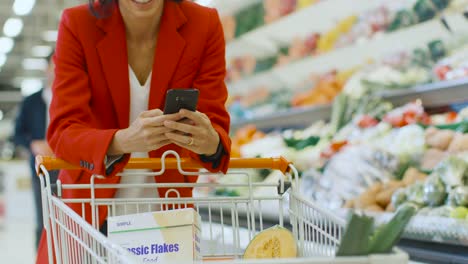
x=30, y=131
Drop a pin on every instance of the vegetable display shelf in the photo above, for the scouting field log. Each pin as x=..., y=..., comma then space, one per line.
x=432, y=95
x=427, y=239
x=319, y=17
x=290, y=75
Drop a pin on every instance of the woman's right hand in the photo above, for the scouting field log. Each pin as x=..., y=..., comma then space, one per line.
x=145, y=134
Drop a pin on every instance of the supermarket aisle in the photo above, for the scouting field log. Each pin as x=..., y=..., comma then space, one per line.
x=17, y=243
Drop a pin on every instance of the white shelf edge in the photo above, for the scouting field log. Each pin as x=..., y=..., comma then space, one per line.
x=432, y=95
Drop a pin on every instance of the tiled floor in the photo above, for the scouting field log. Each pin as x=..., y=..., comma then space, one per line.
x=17, y=243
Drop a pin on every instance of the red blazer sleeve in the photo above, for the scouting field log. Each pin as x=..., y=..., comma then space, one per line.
x=213, y=91
x=73, y=132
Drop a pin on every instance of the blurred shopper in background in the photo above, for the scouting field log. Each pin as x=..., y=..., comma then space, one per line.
x=30, y=132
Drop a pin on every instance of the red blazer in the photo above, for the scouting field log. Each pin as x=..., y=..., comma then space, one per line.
x=91, y=89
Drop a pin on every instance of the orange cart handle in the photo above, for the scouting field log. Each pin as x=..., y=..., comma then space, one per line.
x=281, y=164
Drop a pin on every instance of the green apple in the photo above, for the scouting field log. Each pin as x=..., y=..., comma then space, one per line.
x=459, y=213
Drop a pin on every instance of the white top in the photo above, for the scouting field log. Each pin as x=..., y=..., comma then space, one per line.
x=139, y=96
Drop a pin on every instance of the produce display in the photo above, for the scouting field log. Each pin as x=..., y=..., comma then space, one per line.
x=397, y=70
x=370, y=155
x=274, y=242
x=355, y=28
x=360, y=237
x=259, y=14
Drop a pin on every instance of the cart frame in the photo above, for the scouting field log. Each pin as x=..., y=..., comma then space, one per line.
x=71, y=239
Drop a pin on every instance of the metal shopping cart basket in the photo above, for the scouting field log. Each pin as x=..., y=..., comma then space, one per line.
x=229, y=222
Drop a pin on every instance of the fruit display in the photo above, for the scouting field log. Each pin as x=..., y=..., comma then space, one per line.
x=274, y=242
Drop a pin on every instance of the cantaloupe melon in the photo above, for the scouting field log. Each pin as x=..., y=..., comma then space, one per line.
x=274, y=242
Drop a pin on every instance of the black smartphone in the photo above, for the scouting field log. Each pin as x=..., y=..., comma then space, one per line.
x=177, y=99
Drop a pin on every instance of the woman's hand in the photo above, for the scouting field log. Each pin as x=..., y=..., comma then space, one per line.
x=146, y=133
x=197, y=134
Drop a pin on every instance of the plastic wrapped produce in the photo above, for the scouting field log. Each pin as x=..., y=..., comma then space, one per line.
x=461, y=195
x=399, y=197
x=434, y=191
x=452, y=171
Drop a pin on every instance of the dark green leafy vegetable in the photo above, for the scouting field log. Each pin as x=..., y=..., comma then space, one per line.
x=425, y=10
x=437, y=49
x=300, y=144
x=403, y=18
x=434, y=191
x=386, y=236
x=355, y=241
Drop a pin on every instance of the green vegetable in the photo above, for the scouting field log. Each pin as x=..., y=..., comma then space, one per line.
x=227, y=192
x=386, y=236
x=265, y=64
x=452, y=171
x=300, y=144
x=338, y=112
x=425, y=10
x=461, y=195
x=398, y=197
x=355, y=241
x=415, y=193
x=437, y=49
x=403, y=18
x=434, y=191
x=459, y=213
x=249, y=18
x=441, y=4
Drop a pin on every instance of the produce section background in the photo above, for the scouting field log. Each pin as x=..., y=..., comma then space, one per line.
x=368, y=98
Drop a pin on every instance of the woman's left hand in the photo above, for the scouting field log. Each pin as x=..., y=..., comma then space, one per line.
x=196, y=134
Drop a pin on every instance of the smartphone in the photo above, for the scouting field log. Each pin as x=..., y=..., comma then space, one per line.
x=177, y=99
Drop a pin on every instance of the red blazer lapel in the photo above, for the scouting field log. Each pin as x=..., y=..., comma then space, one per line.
x=169, y=50
x=112, y=50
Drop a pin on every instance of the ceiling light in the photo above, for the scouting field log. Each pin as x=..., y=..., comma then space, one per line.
x=204, y=2
x=6, y=45
x=23, y=7
x=50, y=35
x=35, y=64
x=13, y=27
x=30, y=86
x=41, y=51
x=3, y=59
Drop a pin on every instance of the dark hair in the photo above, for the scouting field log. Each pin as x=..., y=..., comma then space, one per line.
x=102, y=8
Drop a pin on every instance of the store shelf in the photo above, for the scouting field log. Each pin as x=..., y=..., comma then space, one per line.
x=432, y=95
x=293, y=74
x=319, y=17
x=290, y=118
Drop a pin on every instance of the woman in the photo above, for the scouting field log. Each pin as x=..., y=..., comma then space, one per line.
x=112, y=74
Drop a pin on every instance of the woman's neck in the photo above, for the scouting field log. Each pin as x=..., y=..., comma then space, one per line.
x=142, y=29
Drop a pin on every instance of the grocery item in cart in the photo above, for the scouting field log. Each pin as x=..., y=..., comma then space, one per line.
x=274, y=242
x=166, y=237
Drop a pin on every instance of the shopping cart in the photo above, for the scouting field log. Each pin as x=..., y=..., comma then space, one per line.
x=229, y=222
